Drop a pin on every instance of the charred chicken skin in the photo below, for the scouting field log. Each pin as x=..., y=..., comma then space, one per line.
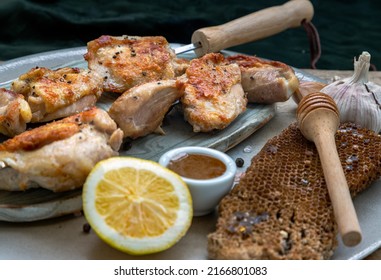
x=265, y=81
x=127, y=61
x=14, y=113
x=53, y=94
x=213, y=95
x=59, y=155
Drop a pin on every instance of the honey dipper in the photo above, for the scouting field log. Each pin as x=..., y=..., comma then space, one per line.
x=318, y=120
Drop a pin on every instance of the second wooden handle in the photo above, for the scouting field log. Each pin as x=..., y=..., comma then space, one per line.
x=255, y=26
x=345, y=213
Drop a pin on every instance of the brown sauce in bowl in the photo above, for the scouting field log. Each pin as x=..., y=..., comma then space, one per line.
x=197, y=166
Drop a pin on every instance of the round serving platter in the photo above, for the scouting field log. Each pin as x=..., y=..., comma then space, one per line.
x=40, y=204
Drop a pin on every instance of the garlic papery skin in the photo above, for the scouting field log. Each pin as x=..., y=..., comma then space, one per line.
x=357, y=99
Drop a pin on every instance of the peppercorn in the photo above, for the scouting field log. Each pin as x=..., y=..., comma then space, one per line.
x=239, y=162
x=86, y=228
x=127, y=144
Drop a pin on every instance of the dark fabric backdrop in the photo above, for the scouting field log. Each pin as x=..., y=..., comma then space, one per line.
x=346, y=27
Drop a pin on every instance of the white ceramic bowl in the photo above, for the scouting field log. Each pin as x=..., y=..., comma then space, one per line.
x=206, y=193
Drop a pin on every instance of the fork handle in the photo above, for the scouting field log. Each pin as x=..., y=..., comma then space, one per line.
x=255, y=26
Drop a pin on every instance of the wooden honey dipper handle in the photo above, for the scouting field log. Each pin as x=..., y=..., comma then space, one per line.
x=318, y=121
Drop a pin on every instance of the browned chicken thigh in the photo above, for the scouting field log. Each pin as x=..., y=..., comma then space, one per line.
x=141, y=110
x=59, y=155
x=265, y=81
x=127, y=61
x=53, y=94
x=14, y=113
x=213, y=95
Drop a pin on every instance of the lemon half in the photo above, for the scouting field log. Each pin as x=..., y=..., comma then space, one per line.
x=136, y=206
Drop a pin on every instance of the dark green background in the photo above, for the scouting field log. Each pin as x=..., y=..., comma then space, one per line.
x=346, y=27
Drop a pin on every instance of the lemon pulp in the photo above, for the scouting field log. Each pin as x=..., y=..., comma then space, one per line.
x=146, y=205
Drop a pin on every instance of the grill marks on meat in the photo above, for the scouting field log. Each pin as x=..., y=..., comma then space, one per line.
x=53, y=94
x=213, y=95
x=127, y=61
x=58, y=156
x=265, y=81
x=141, y=110
x=15, y=113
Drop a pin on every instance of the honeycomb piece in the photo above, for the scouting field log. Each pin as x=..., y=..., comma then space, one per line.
x=281, y=208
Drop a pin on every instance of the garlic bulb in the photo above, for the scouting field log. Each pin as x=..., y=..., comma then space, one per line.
x=358, y=99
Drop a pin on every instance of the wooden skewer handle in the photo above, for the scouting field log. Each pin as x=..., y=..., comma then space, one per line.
x=255, y=26
x=343, y=208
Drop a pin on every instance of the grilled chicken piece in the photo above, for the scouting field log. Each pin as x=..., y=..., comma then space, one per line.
x=265, y=81
x=59, y=155
x=53, y=94
x=14, y=113
x=141, y=110
x=213, y=95
x=127, y=61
